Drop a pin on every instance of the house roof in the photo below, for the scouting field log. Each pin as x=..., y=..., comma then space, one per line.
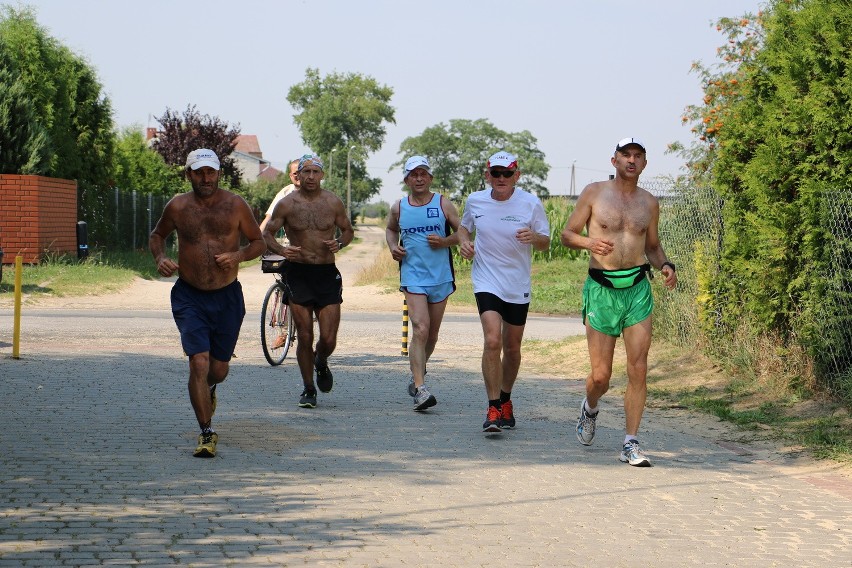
x=248, y=144
x=269, y=174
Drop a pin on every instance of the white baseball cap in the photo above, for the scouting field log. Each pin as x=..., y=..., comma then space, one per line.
x=504, y=159
x=202, y=157
x=627, y=142
x=415, y=162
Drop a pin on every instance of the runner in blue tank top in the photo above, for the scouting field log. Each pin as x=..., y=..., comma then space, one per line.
x=419, y=236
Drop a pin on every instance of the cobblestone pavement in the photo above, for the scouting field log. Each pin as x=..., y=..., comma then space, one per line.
x=96, y=465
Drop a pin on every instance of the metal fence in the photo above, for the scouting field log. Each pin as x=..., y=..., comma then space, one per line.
x=124, y=221
x=835, y=362
x=136, y=214
x=690, y=230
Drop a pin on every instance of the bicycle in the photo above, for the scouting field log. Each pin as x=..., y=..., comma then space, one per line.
x=277, y=331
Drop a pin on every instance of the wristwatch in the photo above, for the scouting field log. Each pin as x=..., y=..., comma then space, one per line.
x=667, y=263
x=340, y=245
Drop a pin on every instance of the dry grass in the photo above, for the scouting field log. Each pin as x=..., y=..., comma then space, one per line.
x=384, y=272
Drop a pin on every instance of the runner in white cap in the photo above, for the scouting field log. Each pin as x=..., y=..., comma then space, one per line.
x=207, y=299
x=508, y=223
x=621, y=220
x=420, y=230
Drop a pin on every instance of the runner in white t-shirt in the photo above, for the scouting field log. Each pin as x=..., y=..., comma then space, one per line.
x=287, y=190
x=508, y=223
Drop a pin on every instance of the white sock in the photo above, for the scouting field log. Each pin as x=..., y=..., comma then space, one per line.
x=629, y=437
x=590, y=410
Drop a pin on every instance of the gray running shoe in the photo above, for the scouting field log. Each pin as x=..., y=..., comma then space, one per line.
x=412, y=390
x=633, y=455
x=586, y=425
x=423, y=399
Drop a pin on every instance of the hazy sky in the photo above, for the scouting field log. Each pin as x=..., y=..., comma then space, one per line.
x=578, y=75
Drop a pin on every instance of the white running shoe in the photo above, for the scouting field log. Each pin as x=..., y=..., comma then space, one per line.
x=633, y=455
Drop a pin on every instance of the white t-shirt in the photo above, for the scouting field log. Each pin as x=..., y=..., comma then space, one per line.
x=279, y=196
x=501, y=264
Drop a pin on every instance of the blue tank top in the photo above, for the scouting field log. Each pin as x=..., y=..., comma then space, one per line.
x=423, y=265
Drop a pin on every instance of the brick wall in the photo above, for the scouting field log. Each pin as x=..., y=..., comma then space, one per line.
x=38, y=215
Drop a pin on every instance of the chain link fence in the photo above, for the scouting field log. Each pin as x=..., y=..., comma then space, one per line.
x=691, y=232
x=834, y=361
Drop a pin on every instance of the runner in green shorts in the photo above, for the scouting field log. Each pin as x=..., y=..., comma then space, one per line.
x=617, y=222
x=610, y=310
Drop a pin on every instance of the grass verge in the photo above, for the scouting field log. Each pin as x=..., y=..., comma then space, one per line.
x=557, y=285
x=100, y=273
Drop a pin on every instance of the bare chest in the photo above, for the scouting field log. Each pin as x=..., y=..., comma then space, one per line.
x=303, y=217
x=621, y=216
x=200, y=224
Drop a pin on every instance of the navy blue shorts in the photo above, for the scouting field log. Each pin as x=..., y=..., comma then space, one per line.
x=513, y=314
x=208, y=320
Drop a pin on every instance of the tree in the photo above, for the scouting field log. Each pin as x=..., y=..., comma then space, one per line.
x=67, y=103
x=181, y=134
x=23, y=140
x=139, y=168
x=340, y=111
x=775, y=142
x=260, y=192
x=459, y=151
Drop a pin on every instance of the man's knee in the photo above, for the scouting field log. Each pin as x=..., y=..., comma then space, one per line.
x=420, y=330
x=637, y=371
x=600, y=376
x=200, y=362
x=218, y=371
x=493, y=343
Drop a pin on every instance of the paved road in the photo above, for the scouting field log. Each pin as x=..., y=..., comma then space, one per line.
x=96, y=466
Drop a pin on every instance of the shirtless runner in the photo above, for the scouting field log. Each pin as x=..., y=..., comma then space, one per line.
x=207, y=298
x=621, y=219
x=310, y=217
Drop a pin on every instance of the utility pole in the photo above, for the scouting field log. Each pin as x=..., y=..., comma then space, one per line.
x=573, y=178
x=349, y=183
x=331, y=163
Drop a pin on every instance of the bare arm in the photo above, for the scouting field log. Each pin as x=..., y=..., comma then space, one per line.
x=452, y=215
x=466, y=247
x=271, y=227
x=392, y=233
x=530, y=237
x=252, y=232
x=341, y=219
x=247, y=226
x=264, y=222
x=572, y=235
x=654, y=249
x=157, y=241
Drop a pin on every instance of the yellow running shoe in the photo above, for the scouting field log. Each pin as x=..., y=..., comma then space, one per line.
x=206, y=445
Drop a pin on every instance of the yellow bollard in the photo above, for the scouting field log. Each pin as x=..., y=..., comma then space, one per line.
x=16, y=334
x=405, y=328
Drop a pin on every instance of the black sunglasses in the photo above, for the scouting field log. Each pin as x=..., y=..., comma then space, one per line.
x=502, y=173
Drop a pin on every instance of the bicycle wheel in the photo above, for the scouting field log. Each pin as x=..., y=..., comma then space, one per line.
x=276, y=324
